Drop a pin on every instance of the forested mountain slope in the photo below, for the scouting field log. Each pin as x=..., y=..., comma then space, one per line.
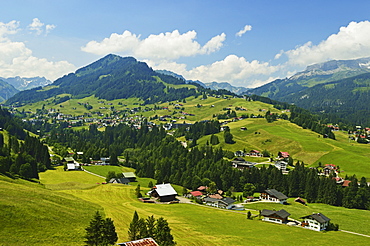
x=112, y=77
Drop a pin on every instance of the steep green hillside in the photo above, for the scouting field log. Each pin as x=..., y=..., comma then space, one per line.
x=33, y=215
x=112, y=77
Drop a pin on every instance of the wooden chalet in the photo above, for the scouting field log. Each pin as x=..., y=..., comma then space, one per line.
x=283, y=155
x=218, y=203
x=164, y=192
x=315, y=221
x=130, y=176
x=273, y=195
x=119, y=181
x=279, y=217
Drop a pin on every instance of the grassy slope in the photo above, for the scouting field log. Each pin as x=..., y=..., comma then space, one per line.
x=200, y=225
x=33, y=215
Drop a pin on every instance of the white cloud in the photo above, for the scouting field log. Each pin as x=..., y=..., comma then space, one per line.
x=164, y=46
x=233, y=69
x=17, y=60
x=350, y=42
x=39, y=28
x=244, y=30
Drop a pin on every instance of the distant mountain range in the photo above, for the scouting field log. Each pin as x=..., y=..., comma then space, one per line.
x=22, y=84
x=282, y=89
x=212, y=85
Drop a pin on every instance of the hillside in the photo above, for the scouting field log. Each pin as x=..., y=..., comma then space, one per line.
x=6, y=90
x=345, y=99
x=112, y=77
x=33, y=215
x=313, y=75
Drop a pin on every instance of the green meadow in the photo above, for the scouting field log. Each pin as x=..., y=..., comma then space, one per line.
x=54, y=213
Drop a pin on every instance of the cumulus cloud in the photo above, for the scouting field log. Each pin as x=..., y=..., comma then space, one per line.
x=38, y=27
x=351, y=42
x=17, y=60
x=163, y=46
x=244, y=30
x=233, y=69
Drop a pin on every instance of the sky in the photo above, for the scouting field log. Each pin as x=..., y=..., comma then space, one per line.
x=246, y=43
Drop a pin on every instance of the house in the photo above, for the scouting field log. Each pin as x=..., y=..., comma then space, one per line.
x=73, y=166
x=281, y=165
x=140, y=242
x=329, y=168
x=196, y=193
x=216, y=196
x=164, y=192
x=279, y=217
x=241, y=164
x=283, y=155
x=105, y=160
x=239, y=153
x=315, y=221
x=218, y=203
x=119, y=181
x=130, y=176
x=202, y=189
x=273, y=195
x=255, y=153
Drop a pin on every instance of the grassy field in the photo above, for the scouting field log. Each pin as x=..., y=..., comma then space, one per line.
x=58, y=216
x=33, y=215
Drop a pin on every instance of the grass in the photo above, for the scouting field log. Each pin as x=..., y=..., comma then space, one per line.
x=348, y=219
x=33, y=215
x=48, y=217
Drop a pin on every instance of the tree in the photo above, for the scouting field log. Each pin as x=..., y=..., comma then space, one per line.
x=163, y=233
x=101, y=231
x=214, y=140
x=110, y=175
x=248, y=189
x=228, y=137
x=249, y=215
x=133, y=230
x=137, y=191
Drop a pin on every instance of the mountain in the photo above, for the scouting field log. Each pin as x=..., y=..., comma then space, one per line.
x=6, y=90
x=343, y=100
x=226, y=86
x=212, y=85
x=22, y=84
x=112, y=77
x=315, y=74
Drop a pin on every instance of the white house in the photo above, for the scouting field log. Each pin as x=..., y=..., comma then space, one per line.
x=273, y=195
x=315, y=221
x=281, y=165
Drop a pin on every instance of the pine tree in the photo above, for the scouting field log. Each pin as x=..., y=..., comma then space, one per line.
x=133, y=231
x=163, y=233
x=101, y=232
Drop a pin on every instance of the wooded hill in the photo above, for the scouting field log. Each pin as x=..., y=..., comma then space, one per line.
x=113, y=77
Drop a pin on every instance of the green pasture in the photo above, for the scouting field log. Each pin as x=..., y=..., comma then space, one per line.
x=355, y=220
x=33, y=215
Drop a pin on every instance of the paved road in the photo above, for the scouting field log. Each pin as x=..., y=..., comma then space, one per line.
x=355, y=233
x=93, y=173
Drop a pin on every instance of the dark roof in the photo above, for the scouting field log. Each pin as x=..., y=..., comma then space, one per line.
x=281, y=213
x=228, y=200
x=318, y=217
x=239, y=159
x=277, y=194
x=209, y=199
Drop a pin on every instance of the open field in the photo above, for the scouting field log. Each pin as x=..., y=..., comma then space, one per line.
x=58, y=217
x=33, y=215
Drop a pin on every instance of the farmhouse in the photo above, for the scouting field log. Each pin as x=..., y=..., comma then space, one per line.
x=279, y=217
x=281, y=165
x=273, y=195
x=283, y=155
x=219, y=203
x=315, y=221
x=164, y=192
x=130, y=176
x=119, y=181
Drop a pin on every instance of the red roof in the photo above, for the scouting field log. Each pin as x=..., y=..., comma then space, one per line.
x=202, y=188
x=141, y=242
x=346, y=183
x=284, y=154
x=196, y=193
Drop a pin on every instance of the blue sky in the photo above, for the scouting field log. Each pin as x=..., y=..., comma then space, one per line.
x=245, y=43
